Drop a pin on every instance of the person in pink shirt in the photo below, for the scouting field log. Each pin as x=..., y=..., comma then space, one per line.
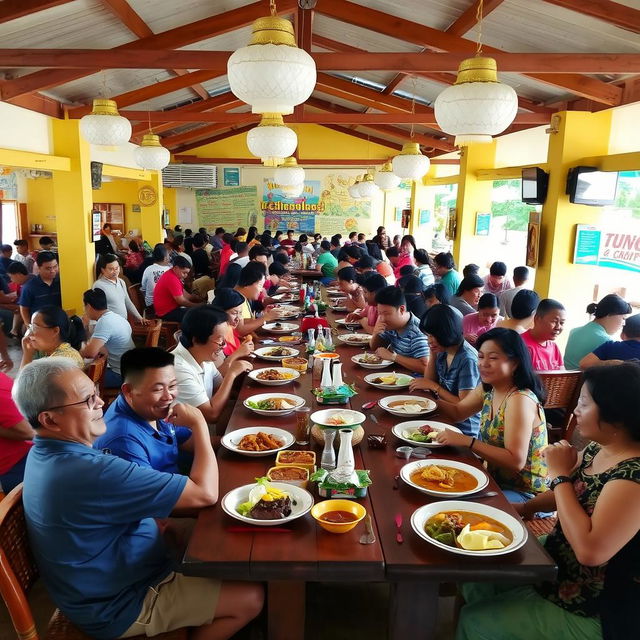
x=368, y=316
x=398, y=260
x=548, y=324
x=497, y=281
x=486, y=317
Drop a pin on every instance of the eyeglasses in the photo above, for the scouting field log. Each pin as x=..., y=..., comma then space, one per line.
x=91, y=402
x=32, y=327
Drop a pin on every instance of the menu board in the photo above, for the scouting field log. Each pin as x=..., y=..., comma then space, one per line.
x=229, y=208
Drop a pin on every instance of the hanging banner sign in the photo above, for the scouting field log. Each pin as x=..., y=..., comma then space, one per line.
x=608, y=247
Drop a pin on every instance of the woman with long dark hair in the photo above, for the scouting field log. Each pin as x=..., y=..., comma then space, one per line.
x=513, y=428
x=596, y=543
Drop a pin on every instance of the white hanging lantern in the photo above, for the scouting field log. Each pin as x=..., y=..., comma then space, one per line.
x=477, y=106
x=151, y=154
x=354, y=189
x=368, y=188
x=272, y=74
x=410, y=164
x=271, y=140
x=292, y=190
x=386, y=179
x=289, y=173
x=105, y=126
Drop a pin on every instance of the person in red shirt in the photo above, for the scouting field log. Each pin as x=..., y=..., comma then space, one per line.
x=15, y=438
x=227, y=251
x=170, y=300
x=289, y=242
x=548, y=324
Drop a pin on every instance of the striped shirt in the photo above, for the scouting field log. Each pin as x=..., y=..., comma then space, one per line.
x=408, y=341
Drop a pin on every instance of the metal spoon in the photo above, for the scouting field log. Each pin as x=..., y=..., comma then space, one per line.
x=475, y=496
x=368, y=536
x=416, y=452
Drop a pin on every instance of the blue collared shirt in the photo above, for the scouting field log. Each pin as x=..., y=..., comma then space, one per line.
x=130, y=437
x=90, y=519
x=36, y=293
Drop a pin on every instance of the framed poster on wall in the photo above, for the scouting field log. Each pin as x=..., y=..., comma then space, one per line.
x=231, y=177
x=483, y=224
x=96, y=225
x=533, y=239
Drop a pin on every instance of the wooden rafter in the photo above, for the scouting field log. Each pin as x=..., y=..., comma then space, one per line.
x=380, y=22
x=12, y=9
x=130, y=19
x=216, y=138
x=173, y=38
x=469, y=17
x=612, y=12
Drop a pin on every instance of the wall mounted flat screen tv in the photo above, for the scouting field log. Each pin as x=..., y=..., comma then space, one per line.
x=587, y=185
x=535, y=182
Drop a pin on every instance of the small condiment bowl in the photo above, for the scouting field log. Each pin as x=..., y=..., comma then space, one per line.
x=323, y=507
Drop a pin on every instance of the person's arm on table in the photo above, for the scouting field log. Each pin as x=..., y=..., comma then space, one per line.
x=243, y=351
x=249, y=325
x=93, y=348
x=592, y=360
x=413, y=364
x=211, y=410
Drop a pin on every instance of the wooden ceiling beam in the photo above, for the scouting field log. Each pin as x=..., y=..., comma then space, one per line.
x=13, y=9
x=470, y=17
x=173, y=38
x=612, y=12
x=422, y=35
x=216, y=138
x=361, y=162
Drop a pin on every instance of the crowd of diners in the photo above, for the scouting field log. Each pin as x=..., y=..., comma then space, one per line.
x=110, y=494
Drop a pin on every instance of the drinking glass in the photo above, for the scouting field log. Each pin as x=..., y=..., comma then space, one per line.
x=303, y=425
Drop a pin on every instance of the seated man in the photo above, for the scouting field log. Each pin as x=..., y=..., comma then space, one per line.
x=250, y=287
x=170, y=300
x=396, y=335
x=199, y=381
x=111, y=573
x=154, y=272
x=326, y=263
x=112, y=334
x=22, y=255
x=136, y=428
x=614, y=351
x=540, y=340
x=43, y=290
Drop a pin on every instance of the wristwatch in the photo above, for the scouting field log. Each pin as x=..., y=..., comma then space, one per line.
x=559, y=480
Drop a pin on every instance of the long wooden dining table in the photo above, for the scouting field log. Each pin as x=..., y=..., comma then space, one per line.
x=304, y=552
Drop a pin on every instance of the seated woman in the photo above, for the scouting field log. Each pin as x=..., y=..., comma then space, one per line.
x=118, y=300
x=596, y=543
x=513, y=430
x=133, y=262
x=452, y=373
x=608, y=319
x=424, y=269
x=483, y=320
x=617, y=351
x=230, y=301
x=523, y=310
x=468, y=294
x=540, y=340
x=348, y=284
x=52, y=333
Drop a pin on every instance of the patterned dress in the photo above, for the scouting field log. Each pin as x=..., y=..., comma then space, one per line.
x=531, y=479
x=593, y=591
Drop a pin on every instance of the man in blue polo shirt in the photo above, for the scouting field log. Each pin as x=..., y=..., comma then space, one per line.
x=136, y=429
x=43, y=290
x=396, y=334
x=91, y=518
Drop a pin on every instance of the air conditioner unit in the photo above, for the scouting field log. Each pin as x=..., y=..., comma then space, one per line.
x=193, y=176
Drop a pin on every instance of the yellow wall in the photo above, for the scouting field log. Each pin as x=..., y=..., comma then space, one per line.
x=40, y=205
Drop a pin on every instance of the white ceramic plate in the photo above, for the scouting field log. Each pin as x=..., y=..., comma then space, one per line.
x=288, y=311
x=518, y=530
x=335, y=293
x=263, y=353
x=281, y=327
x=285, y=296
x=429, y=405
x=301, y=503
x=402, y=380
x=366, y=365
x=342, y=322
x=339, y=309
x=231, y=440
x=274, y=383
x=297, y=400
x=355, y=339
x=481, y=477
x=351, y=417
x=413, y=425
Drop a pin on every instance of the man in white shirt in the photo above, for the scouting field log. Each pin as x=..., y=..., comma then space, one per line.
x=200, y=384
x=22, y=255
x=520, y=277
x=154, y=272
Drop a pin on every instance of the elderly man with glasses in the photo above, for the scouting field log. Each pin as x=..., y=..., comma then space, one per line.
x=91, y=518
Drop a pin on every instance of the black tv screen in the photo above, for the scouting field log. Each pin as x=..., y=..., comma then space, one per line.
x=534, y=185
x=587, y=185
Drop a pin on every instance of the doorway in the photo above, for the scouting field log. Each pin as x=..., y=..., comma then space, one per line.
x=9, y=221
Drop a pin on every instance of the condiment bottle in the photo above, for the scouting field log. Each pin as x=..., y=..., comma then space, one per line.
x=326, y=374
x=337, y=375
x=346, y=465
x=328, y=460
x=311, y=340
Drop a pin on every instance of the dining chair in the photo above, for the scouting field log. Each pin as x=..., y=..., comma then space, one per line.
x=18, y=573
x=147, y=335
x=136, y=297
x=562, y=389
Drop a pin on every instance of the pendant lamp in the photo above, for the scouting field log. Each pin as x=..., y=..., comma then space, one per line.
x=151, y=154
x=105, y=126
x=271, y=140
x=410, y=164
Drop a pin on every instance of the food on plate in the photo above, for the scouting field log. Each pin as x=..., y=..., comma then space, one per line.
x=278, y=352
x=391, y=378
x=440, y=478
x=282, y=474
x=425, y=433
x=272, y=404
x=408, y=406
x=339, y=517
x=370, y=358
x=467, y=530
x=330, y=355
x=296, y=457
x=266, y=502
x=260, y=441
x=274, y=374
x=338, y=420
x=356, y=339
x=288, y=339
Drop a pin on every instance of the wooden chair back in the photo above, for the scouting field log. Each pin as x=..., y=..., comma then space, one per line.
x=136, y=297
x=96, y=369
x=562, y=389
x=147, y=335
x=18, y=570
